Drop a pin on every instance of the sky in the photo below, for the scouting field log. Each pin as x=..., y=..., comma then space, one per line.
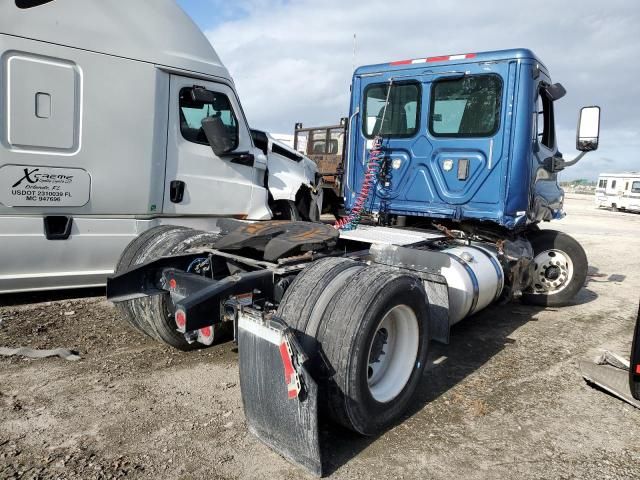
x=292, y=60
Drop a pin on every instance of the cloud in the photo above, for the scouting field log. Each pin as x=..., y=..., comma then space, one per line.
x=292, y=61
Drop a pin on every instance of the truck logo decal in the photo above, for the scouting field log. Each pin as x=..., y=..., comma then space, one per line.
x=43, y=186
x=27, y=177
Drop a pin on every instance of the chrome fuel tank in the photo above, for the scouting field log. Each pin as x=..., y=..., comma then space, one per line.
x=474, y=276
x=475, y=279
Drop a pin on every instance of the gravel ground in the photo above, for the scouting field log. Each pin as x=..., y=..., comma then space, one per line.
x=504, y=400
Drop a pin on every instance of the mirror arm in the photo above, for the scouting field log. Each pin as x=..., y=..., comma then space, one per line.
x=556, y=164
x=575, y=160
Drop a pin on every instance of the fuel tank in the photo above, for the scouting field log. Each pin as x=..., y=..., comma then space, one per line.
x=473, y=273
x=475, y=279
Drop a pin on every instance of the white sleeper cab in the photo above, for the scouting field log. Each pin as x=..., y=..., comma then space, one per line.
x=112, y=127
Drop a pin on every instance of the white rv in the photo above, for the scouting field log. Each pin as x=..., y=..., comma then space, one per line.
x=619, y=191
x=113, y=123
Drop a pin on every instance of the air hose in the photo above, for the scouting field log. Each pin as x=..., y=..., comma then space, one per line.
x=371, y=175
x=376, y=158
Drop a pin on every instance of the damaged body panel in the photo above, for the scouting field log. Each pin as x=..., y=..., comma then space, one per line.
x=290, y=175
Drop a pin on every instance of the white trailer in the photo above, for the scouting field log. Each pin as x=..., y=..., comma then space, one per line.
x=619, y=191
x=101, y=139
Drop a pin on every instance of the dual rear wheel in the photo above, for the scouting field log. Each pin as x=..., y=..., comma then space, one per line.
x=370, y=324
x=154, y=316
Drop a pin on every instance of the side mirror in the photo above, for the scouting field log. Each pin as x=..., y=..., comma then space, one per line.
x=219, y=137
x=588, y=129
x=555, y=91
x=202, y=95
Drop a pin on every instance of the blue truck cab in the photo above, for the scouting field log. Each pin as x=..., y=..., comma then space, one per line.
x=466, y=138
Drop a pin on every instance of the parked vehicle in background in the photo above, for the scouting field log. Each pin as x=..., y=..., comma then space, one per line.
x=105, y=136
x=325, y=146
x=619, y=191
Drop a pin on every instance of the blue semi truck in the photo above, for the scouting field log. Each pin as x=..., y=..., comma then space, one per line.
x=450, y=168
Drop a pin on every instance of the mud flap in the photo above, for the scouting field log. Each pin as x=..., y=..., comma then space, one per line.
x=279, y=396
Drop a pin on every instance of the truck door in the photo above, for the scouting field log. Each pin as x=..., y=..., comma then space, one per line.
x=198, y=182
x=547, y=194
x=443, y=133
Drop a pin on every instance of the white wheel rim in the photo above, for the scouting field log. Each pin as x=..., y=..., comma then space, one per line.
x=553, y=272
x=392, y=353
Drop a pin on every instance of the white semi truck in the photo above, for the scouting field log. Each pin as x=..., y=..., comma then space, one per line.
x=101, y=139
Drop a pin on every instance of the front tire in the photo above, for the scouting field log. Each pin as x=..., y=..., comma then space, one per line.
x=560, y=269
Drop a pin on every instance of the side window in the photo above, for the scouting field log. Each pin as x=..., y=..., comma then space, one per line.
x=613, y=184
x=466, y=107
x=604, y=183
x=626, y=186
x=400, y=116
x=192, y=112
x=545, y=121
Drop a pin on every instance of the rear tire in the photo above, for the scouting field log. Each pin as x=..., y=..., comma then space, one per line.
x=560, y=269
x=154, y=316
x=358, y=315
x=306, y=300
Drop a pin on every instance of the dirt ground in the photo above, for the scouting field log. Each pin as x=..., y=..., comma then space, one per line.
x=504, y=400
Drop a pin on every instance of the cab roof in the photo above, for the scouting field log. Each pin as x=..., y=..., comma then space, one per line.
x=454, y=59
x=154, y=31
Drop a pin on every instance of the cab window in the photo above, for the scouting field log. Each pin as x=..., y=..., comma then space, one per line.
x=192, y=112
x=400, y=117
x=635, y=187
x=466, y=107
x=545, y=122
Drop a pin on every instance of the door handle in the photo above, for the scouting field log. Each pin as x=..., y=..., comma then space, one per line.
x=57, y=227
x=243, y=158
x=176, y=191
